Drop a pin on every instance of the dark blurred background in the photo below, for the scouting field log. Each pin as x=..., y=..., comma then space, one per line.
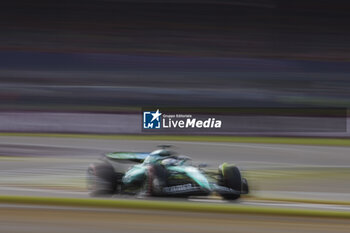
x=115, y=55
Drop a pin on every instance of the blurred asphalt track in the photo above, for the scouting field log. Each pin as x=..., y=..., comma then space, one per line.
x=39, y=165
x=34, y=219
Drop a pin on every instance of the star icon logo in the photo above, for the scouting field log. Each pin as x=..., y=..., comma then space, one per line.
x=151, y=119
x=156, y=115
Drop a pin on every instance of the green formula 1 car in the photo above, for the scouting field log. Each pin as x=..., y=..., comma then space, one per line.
x=162, y=173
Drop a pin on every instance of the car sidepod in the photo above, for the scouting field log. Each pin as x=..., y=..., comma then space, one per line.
x=191, y=182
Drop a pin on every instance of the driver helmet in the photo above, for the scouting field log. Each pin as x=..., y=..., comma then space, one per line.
x=169, y=162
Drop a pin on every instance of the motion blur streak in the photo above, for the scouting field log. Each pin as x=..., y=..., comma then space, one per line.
x=293, y=171
x=79, y=220
x=260, y=28
x=88, y=66
x=86, y=53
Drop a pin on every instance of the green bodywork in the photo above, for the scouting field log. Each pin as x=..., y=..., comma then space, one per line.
x=138, y=172
x=194, y=173
x=135, y=174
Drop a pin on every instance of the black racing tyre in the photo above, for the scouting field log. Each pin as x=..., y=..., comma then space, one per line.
x=231, y=178
x=101, y=179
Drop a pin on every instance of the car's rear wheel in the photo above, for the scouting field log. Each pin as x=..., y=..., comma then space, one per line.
x=231, y=178
x=101, y=179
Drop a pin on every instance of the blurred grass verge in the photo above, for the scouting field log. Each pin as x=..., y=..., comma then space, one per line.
x=172, y=206
x=199, y=138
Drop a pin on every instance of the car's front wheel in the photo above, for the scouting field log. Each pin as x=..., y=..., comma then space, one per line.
x=231, y=178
